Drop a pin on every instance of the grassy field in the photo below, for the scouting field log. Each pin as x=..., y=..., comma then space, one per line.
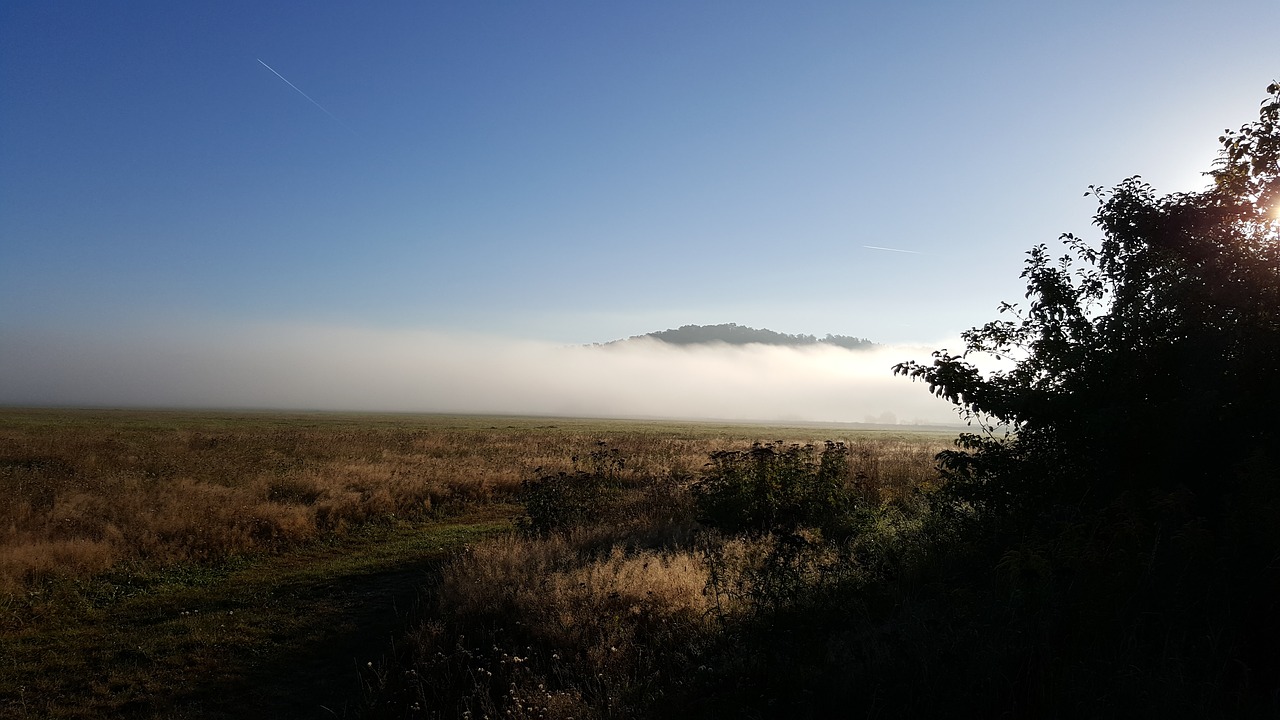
x=182, y=564
x=278, y=636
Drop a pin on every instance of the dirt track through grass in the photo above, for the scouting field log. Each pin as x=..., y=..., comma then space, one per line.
x=287, y=636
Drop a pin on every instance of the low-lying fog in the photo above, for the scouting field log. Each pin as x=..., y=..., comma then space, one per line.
x=338, y=368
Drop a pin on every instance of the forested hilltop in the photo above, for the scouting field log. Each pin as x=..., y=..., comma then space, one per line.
x=734, y=334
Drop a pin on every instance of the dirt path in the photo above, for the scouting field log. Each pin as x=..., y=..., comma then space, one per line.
x=316, y=668
x=288, y=637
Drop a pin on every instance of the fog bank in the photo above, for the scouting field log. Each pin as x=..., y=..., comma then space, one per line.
x=343, y=368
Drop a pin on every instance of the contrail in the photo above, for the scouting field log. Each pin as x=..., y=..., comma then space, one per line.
x=308, y=97
x=874, y=247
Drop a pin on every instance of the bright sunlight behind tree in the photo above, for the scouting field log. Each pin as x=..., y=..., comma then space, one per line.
x=1162, y=337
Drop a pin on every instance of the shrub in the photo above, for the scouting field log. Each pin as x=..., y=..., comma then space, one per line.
x=1123, y=490
x=571, y=499
x=775, y=489
x=1165, y=333
x=561, y=501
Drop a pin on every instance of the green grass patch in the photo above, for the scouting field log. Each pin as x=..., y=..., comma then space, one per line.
x=284, y=635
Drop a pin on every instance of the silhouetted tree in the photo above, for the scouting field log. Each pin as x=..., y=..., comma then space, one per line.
x=1149, y=361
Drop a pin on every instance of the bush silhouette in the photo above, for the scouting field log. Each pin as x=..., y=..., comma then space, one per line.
x=1122, y=487
x=775, y=489
x=1148, y=361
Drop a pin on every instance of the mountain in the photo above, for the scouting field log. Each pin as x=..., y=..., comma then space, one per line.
x=734, y=334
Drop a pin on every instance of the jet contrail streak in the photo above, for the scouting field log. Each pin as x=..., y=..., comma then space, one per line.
x=876, y=247
x=308, y=97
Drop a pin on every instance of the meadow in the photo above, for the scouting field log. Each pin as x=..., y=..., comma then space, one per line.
x=587, y=560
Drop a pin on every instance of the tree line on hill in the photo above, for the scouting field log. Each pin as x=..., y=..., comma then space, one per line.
x=734, y=334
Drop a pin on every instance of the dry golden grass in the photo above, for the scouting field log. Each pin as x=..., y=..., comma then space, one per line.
x=611, y=614
x=552, y=627
x=569, y=599
x=891, y=468
x=84, y=491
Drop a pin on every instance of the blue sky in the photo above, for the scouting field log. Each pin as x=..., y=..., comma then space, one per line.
x=571, y=172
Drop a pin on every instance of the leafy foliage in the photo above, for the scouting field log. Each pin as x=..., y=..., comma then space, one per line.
x=1122, y=489
x=566, y=500
x=775, y=489
x=1164, y=336
x=560, y=501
